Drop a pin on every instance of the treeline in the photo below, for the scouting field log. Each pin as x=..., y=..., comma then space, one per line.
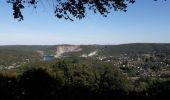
x=10, y=57
x=60, y=80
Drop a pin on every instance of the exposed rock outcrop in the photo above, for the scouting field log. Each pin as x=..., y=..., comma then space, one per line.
x=90, y=54
x=61, y=49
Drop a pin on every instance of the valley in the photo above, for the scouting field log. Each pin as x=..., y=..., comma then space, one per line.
x=134, y=60
x=62, y=72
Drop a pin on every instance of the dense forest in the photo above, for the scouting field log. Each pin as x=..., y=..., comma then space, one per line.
x=128, y=72
x=60, y=80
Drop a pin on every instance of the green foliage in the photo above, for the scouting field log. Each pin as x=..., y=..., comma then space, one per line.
x=88, y=78
x=63, y=80
x=71, y=8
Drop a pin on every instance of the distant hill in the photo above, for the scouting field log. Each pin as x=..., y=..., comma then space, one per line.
x=111, y=50
x=25, y=47
x=135, y=48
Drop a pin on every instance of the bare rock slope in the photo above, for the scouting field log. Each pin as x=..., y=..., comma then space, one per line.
x=61, y=49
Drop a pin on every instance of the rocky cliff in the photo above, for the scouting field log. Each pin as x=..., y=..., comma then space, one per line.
x=61, y=49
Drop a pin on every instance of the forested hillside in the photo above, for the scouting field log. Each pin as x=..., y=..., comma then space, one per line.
x=86, y=72
x=103, y=49
x=67, y=80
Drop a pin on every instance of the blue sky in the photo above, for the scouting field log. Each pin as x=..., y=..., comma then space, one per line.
x=145, y=21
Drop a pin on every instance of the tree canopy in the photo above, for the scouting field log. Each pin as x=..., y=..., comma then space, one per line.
x=69, y=9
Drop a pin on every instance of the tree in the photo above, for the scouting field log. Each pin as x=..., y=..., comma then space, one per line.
x=70, y=9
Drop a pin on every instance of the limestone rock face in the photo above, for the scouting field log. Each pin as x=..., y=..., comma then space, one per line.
x=61, y=49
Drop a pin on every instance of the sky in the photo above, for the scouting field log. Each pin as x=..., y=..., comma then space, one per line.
x=146, y=21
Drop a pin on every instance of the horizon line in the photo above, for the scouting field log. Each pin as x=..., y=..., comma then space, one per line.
x=82, y=44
